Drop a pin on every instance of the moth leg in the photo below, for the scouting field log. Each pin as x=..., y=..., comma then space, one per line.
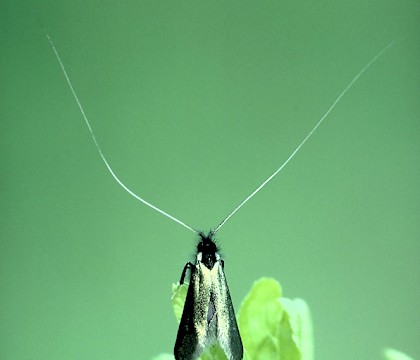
x=188, y=265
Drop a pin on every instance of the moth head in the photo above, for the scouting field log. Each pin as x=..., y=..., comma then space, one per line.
x=207, y=250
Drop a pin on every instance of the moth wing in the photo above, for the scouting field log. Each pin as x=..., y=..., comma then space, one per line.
x=196, y=330
x=193, y=326
x=228, y=335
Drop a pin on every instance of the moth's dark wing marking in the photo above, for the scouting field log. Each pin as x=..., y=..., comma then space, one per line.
x=227, y=330
x=208, y=316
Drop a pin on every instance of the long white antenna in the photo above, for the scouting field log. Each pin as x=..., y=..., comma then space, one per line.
x=100, y=151
x=347, y=88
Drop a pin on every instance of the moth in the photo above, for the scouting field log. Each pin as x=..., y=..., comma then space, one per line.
x=208, y=316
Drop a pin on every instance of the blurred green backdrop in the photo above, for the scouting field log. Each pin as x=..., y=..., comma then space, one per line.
x=195, y=103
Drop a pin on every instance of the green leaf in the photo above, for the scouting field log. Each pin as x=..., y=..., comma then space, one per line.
x=259, y=316
x=301, y=323
x=164, y=357
x=273, y=327
x=391, y=354
x=179, y=294
x=213, y=353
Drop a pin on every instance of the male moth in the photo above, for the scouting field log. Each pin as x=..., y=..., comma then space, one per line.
x=208, y=317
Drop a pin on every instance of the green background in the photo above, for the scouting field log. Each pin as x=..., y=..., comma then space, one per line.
x=195, y=103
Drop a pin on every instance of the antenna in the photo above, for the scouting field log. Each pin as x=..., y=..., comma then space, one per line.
x=100, y=150
x=291, y=156
x=320, y=121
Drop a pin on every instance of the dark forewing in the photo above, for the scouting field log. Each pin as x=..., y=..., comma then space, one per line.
x=227, y=329
x=187, y=341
